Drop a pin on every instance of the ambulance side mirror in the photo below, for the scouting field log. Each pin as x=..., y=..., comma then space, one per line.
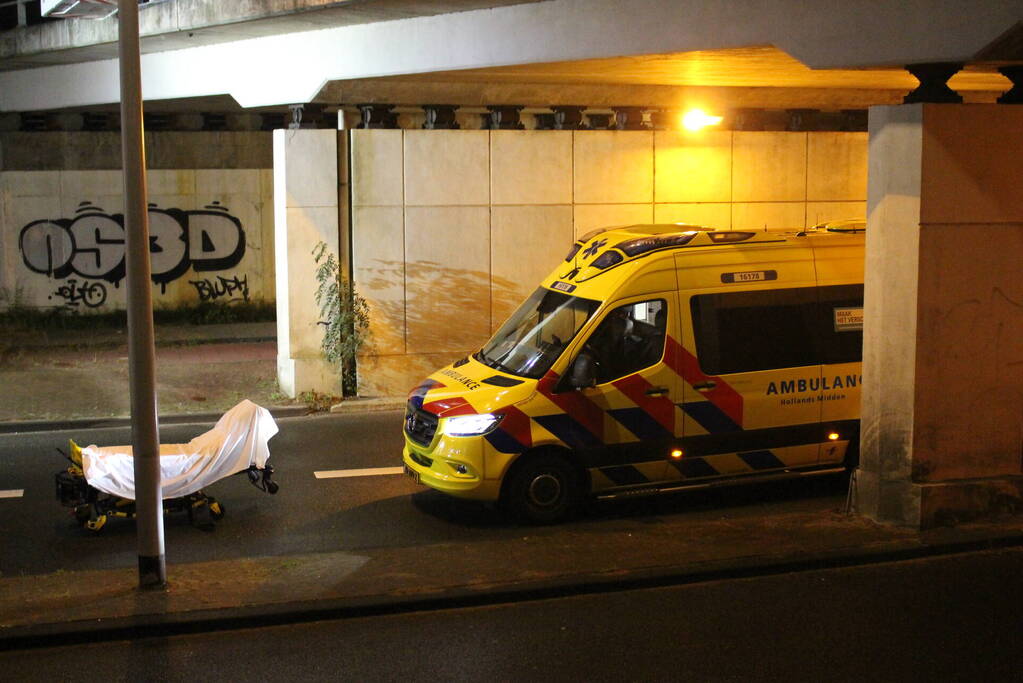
x=583, y=373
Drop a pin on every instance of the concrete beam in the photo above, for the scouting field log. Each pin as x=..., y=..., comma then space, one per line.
x=283, y=69
x=481, y=94
x=191, y=23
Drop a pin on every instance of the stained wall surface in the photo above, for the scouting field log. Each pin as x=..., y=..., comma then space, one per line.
x=62, y=237
x=969, y=394
x=452, y=229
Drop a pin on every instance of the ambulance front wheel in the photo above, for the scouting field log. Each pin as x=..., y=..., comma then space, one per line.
x=543, y=489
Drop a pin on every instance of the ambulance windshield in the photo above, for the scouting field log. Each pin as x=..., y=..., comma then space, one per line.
x=533, y=338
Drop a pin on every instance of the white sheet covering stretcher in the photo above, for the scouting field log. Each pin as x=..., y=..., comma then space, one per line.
x=237, y=441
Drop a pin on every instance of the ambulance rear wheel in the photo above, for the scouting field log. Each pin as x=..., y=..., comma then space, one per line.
x=543, y=489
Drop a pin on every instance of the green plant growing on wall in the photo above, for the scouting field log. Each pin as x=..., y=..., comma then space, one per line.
x=344, y=316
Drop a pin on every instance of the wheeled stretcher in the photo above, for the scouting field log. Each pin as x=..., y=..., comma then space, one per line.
x=99, y=482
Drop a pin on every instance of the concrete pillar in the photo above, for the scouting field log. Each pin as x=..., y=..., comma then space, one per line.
x=942, y=421
x=306, y=210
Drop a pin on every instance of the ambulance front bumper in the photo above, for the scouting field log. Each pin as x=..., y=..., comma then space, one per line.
x=452, y=465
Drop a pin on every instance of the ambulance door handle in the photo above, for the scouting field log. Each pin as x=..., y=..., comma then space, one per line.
x=657, y=391
x=705, y=386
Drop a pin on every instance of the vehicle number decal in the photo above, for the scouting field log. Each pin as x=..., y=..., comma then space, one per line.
x=848, y=319
x=563, y=286
x=750, y=276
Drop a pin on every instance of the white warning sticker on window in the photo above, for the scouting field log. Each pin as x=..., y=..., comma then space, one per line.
x=848, y=319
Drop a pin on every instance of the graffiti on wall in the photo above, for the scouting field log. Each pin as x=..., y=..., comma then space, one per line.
x=91, y=245
x=229, y=288
x=75, y=294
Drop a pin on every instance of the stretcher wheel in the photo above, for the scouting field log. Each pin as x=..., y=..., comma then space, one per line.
x=272, y=487
x=83, y=514
x=95, y=525
x=200, y=514
x=216, y=509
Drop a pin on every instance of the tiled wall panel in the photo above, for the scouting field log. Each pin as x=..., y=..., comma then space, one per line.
x=526, y=243
x=531, y=167
x=614, y=167
x=447, y=168
x=768, y=166
x=447, y=278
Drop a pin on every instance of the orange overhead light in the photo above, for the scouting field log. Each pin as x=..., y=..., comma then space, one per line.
x=695, y=119
x=677, y=453
x=833, y=436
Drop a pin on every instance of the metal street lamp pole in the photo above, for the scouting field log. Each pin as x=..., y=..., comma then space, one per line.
x=141, y=348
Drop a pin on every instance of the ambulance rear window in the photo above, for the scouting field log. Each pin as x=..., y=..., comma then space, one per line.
x=759, y=330
x=776, y=328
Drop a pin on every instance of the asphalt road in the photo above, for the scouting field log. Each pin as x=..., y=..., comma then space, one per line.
x=312, y=514
x=949, y=618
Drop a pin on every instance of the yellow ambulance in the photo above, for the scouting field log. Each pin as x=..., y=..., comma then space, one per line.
x=655, y=357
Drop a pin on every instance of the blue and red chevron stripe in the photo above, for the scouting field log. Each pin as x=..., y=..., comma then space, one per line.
x=449, y=407
x=418, y=392
x=722, y=411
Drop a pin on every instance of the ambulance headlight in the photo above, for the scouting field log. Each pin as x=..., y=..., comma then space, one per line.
x=472, y=425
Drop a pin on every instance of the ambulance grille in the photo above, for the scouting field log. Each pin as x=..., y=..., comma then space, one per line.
x=420, y=426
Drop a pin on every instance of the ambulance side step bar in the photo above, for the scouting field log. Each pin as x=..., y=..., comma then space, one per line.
x=723, y=481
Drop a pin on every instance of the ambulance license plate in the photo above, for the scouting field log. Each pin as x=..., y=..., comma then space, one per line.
x=411, y=472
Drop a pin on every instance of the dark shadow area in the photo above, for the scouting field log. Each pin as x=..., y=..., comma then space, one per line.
x=469, y=514
x=725, y=500
x=744, y=497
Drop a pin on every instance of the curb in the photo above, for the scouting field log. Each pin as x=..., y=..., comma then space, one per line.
x=207, y=621
x=347, y=407
x=368, y=405
x=158, y=343
x=102, y=422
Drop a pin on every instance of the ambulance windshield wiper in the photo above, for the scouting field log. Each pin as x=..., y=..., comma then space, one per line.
x=491, y=362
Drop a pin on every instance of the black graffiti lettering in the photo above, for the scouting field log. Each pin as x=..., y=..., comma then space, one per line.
x=92, y=244
x=212, y=290
x=91, y=294
x=99, y=247
x=46, y=246
x=168, y=245
x=216, y=239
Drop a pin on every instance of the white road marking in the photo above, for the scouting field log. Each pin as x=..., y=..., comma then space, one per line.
x=16, y=493
x=335, y=474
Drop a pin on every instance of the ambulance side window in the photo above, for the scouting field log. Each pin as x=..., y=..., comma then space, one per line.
x=758, y=330
x=628, y=339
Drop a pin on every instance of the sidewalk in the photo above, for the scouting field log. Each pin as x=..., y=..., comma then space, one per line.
x=80, y=378
x=70, y=607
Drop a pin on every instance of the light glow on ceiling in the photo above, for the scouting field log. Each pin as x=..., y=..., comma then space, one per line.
x=695, y=119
